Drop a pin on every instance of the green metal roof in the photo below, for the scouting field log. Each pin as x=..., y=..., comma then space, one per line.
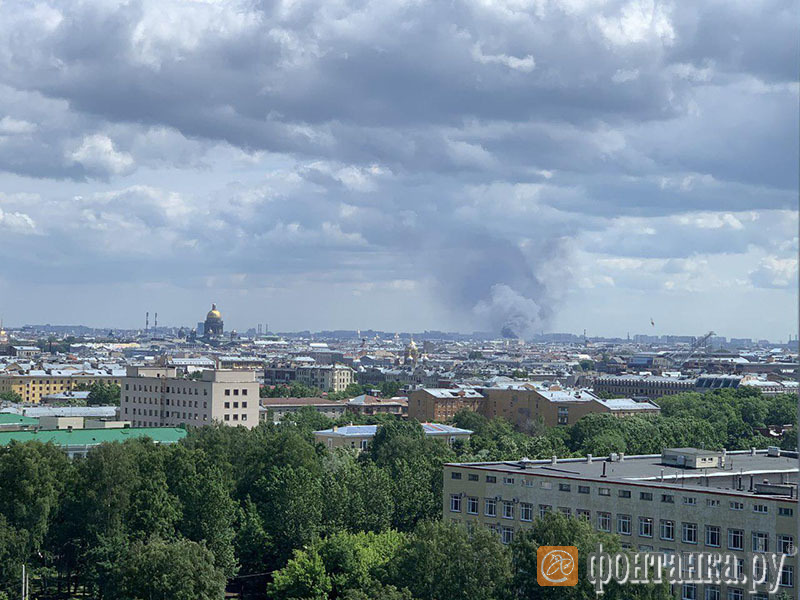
x=93, y=437
x=12, y=419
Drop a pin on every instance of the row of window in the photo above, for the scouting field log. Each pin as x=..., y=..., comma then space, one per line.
x=623, y=493
x=646, y=525
x=235, y=405
x=712, y=592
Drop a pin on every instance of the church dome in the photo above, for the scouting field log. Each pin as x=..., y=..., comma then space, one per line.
x=214, y=313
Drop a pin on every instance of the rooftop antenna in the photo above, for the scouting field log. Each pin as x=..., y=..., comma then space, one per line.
x=147, y=321
x=155, y=324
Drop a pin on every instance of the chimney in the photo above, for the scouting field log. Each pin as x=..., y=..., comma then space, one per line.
x=621, y=456
x=588, y=458
x=752, y=451
x=604, y=470
x=554, y=460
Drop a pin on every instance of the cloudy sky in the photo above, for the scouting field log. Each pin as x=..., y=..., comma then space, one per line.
x=399, y=164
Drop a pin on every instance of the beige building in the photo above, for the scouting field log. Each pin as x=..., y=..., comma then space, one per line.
x=441, y=404
x=157, y=397
x=31, y=386
x=275, y=409
x=328, y=378
x=522, y=404
x=358, y=437
x=372, y=405
x=737, y=502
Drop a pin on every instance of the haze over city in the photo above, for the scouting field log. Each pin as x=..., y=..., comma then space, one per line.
x=401, y=166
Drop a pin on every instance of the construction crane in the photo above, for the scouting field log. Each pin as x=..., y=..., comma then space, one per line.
x=679, y=359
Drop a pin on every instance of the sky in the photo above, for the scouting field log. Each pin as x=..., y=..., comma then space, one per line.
x=534, y=165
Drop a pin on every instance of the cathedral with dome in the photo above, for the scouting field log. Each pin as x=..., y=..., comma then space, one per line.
x=213, y=327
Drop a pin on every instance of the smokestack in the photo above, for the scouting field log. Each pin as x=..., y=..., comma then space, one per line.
x=155, y=323
x=146, y=321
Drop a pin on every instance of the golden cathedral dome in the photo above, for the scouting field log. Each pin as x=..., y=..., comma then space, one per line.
x=214, y=313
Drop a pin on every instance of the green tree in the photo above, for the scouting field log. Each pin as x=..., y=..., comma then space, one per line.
x=162, y=570
x=445, y=561
x=103, y=394
x=11, y=397
x=556, y=529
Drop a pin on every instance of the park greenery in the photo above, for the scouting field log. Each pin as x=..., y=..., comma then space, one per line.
x=270, y=514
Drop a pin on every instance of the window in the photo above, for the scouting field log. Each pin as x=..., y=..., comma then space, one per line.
x=363, y=444
x=563, y=415
x=235, y=405
x=712, y=536
x=645, y=496
x=604, y=521
x=236, y=392
x=455, y=503
x=760, y=541
x=227, y=417
x=564, y=510
x=667, y=530
x=244, y=392
x=508, y=509
x=455, y=475
x=491, y=479
x=583, y=489
x=227, y=392
x=506, y=535
x=735, y=539
x=785, y=544
x=472, y=477
x=544, y=509
x=564, y=487
x=736, y=505
x=735, y=594
x=689, y=533
x=624, y=524
x=645, y=527
x=712, y=592
x=668, y=498
x=526, y=512
x=689, y=591
x=760, y=508
x=624, y=493
x=472, y=505
x=490, y=507
x=690, y=500
x=582, y=513
x=785, y=512
x=604, y=491
x=227, y=405
x=712, y=503
x=508, y=480
x=546, y=485
x=787, y=576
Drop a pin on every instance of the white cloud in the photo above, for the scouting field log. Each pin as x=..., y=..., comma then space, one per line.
x=525, y=64
x=97, y=153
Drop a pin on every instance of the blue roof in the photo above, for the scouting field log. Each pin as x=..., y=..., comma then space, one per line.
x=371, y=430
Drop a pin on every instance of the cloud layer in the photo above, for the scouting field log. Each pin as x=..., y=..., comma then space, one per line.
x=460, y=165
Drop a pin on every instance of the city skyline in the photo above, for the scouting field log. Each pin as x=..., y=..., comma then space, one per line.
x=316, y=166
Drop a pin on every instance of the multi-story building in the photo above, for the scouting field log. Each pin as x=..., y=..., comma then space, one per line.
x=158, y=397
x=328, y=378
x=648, y=386
x=275, y=409
x=371, y=405
x=554, y=405
x=32, y=385
x=359, y=436
x=684, y=500
x=441, y=404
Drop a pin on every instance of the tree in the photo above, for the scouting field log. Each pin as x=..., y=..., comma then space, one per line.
x=161, y=570
x=303, y=578
x=555, y=529
x=103, y=394
x=11, y=397
x=389, y=389
x=445, y=561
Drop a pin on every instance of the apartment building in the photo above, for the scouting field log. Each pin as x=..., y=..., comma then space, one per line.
x=358, y=437
x=328, y=378
x=685, y=500
x=158, y=397
x=554, y=405
x=32, y=385
x=275, y=409
x=441, y=404
x=649, y=386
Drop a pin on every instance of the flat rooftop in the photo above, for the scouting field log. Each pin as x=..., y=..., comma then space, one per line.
x=650, y=470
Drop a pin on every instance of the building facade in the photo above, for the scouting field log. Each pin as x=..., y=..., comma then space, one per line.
x=442, y=404
x=358, y=437
x=649, y=386
x=157, y=397
x=328, y=378
x=738, y=502
x=35, y=384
